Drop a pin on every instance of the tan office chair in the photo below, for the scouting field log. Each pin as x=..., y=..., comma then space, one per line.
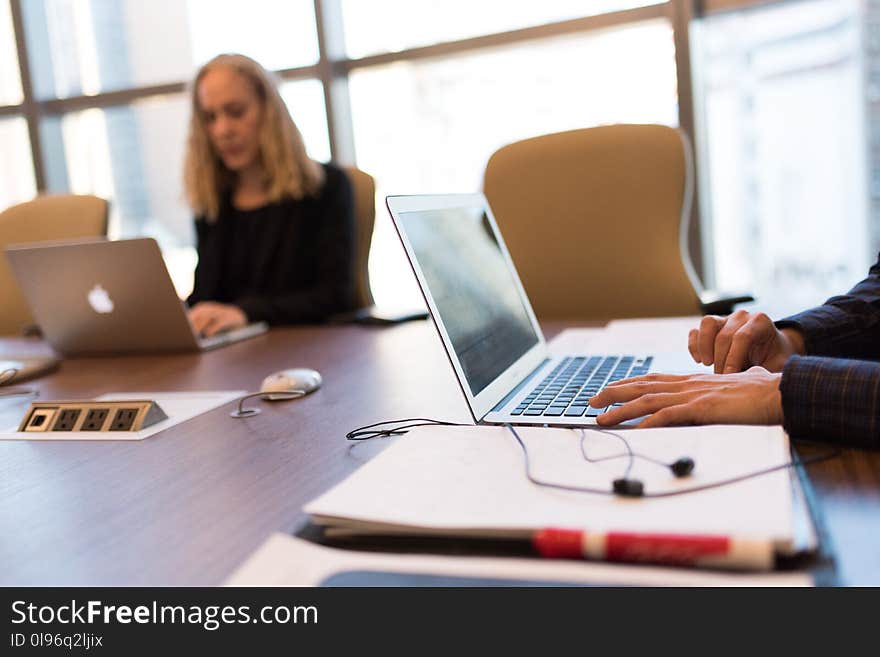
x=365, y=311
x=43, y=218
x=596, y=222
x=365, y=215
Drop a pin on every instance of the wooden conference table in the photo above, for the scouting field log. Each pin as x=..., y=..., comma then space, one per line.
x=188, y=505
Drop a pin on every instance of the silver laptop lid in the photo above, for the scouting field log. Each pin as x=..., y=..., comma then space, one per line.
x=102, y=297
x=472, y=289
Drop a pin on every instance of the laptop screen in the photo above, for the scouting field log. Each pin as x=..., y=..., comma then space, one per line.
x=472, y=288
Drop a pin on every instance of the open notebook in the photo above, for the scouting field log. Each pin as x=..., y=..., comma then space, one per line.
x=470, y=482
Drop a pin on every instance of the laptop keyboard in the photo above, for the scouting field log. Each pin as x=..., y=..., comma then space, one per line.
x=566, y=391
x=233, y=335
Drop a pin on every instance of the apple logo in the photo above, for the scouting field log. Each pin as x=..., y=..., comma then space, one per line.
x=100, y=301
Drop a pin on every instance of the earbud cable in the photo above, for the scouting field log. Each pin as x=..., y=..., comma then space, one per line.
x=399, y=427
x=692, y=489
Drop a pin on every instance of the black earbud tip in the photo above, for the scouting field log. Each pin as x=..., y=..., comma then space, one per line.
x=629, y=487
x=683, y=466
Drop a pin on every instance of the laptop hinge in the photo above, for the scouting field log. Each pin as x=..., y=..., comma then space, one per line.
x=510, y=395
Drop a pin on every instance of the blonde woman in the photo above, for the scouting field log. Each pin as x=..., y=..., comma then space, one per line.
x=275, y=229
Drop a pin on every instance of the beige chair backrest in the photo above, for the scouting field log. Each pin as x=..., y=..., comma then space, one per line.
x=594, y=220
x=44, y=218
x=365, y=215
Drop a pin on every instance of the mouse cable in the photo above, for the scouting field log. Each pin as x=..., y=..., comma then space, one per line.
x=242, y=412
x=7, y=393
x=6, y=376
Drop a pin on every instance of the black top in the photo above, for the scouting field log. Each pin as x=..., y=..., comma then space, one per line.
x=285, y=262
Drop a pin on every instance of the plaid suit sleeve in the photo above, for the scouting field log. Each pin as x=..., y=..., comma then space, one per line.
x=845, y=326
x=832, y=399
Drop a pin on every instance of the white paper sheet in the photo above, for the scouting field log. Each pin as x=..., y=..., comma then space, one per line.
x=642, y=336
x=472, y=480
x=574, y=341
x=289, y=561
x=666, y=334
x=178, y=406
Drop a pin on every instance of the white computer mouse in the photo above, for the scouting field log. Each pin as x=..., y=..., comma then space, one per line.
x=300, y=379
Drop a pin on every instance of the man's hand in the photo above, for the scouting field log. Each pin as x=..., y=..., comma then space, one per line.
x=741, y=340
x=209, y=317
x=750, y=397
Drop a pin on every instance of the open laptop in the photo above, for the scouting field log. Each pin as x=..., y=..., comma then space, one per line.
x=108, y=297
x=487, y=324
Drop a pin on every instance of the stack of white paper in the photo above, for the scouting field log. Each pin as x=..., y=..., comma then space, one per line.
x=471, y=481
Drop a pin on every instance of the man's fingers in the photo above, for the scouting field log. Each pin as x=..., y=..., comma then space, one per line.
x=737, y=359
x=693, y=344
x=670, y=416
x=644, y=405
x=750, y=397
x=655, y=377
x=633, y=390
x=709, y=327
x=751, y=333
x=724, y=338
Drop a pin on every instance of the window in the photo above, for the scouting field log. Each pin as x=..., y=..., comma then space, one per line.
x=131, y=155
x=431, y=125
x=305, y=102
x=784, y=151
x=10, y=81
x=84, y=47
x=16, y=174
x=279, y=35
x=393, y=25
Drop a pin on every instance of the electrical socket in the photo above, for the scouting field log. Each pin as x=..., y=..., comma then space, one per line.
x=95, y=419
x=67, y=418
x=124, y=419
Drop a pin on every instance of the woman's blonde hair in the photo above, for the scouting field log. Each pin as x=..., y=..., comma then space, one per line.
x=289, y=171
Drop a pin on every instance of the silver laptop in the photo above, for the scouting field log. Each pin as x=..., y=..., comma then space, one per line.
x=108, y=297
x=487, y=324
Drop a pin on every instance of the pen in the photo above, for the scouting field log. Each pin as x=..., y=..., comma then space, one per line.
x=700, y=550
